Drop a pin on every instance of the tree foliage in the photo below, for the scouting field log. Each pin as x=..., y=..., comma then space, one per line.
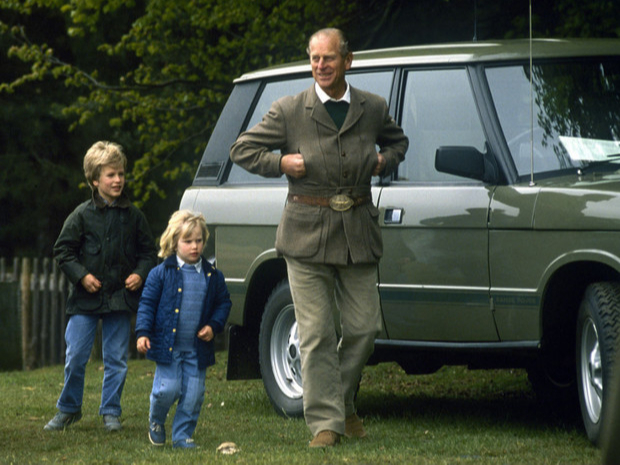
x=165, y=77
x=154, y=75
x=151, y=74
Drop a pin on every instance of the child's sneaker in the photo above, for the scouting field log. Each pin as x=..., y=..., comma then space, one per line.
x=184, y=444
x=157, y=434
x=112, y=423
x=61, y=420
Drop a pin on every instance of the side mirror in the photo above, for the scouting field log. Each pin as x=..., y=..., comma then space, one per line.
x=467, y=162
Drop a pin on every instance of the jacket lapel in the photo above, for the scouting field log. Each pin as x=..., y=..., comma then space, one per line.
x=317, y=110
x=355, y=112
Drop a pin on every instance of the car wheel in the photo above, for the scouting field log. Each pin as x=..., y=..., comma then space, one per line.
x=280, y=361
x=598, y=326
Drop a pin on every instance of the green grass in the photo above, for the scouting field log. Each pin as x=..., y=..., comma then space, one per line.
x=452, y=417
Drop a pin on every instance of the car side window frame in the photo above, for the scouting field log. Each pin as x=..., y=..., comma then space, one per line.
x=412, y=155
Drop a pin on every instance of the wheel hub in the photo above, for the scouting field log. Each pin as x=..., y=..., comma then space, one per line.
x=285, y=358
x=592, y=371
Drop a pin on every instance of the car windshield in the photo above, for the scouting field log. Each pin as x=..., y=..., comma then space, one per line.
x=574, y=119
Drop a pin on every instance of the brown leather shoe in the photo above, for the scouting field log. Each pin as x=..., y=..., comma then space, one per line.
x=325, y=438
x=353, y=427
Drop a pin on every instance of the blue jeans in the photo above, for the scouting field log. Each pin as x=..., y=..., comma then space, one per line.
x=80, y=336
x=182, y=380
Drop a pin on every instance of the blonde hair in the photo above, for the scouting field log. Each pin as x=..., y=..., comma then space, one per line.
x=182, y=224
x=100, y=154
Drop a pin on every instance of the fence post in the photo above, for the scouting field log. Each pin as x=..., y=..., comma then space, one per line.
x=44, y=314
x=63, y=283
x=54, y=346
x=26, y=314
x=35, y=322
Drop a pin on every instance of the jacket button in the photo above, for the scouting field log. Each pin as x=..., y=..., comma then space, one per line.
x=170, y=349
x=176, y=310
x=174, y=330
x=343, y=154
x=180, y=290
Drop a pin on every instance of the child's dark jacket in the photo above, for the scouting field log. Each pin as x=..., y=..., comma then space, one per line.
x=160, y=304
x=110, y=242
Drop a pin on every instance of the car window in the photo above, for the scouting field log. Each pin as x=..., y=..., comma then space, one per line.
x=272, y=91
x=438, y=110
x=575, y=108
x=377, y=82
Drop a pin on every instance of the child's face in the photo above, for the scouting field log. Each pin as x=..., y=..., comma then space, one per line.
x=189, y=248
x=111, y=182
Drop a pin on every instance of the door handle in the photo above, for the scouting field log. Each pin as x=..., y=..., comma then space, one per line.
x=393, y=216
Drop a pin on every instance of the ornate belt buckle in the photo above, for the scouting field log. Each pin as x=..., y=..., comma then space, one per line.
x=340, y=202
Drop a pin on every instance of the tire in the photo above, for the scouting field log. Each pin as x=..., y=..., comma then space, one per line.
x=598, y=327
x=280, y=361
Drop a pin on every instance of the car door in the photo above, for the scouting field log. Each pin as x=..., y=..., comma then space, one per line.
x=434, y=274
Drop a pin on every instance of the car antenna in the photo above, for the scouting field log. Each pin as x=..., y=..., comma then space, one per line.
x=475, y=20
x=532, y=183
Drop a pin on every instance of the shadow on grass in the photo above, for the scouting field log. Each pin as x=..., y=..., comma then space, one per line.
x=466, y=401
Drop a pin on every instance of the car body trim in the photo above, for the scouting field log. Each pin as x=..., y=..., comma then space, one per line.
x=459, y=346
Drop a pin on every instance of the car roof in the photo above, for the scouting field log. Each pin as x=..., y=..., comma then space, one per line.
x=465, y=52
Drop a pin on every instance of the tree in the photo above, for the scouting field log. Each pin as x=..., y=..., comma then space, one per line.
x=157, y=72
x=153, y=75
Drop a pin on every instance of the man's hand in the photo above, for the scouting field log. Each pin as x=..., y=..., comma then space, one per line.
x=380, y=165
x=90, y=283
x=293, y=165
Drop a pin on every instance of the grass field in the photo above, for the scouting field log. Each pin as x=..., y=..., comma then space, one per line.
x=454, y=416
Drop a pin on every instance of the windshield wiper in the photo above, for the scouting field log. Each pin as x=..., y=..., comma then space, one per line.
x=611, y=157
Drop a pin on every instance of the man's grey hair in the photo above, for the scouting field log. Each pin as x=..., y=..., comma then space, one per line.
x=343, y=42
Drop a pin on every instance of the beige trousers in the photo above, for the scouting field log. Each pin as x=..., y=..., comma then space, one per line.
x=331, y=367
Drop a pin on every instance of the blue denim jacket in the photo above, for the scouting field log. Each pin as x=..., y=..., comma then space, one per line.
x=158, y=311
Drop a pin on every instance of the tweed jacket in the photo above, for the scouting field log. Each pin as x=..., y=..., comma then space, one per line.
x=111, y=242
x=158, y=313
x=337, y=162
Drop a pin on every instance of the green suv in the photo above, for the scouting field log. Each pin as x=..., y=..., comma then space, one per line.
x=501, y=228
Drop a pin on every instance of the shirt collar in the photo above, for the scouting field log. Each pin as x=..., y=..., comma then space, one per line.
x=323, y=97
x=197, y=265
x=122, y=202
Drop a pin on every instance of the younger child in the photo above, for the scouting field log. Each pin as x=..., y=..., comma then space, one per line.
x=184, y=304
x=106, y=250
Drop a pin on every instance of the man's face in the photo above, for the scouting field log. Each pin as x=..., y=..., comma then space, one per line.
x=328, y=65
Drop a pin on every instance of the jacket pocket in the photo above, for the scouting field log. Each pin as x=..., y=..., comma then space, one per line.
x=300, y=231
x=132, y=299
x=372, y=231
x=86, y=301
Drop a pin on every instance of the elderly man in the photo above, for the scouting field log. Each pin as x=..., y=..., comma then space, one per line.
x=329, y=233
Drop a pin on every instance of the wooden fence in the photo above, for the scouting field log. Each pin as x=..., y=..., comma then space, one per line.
x=36, y=318
x=33, y=293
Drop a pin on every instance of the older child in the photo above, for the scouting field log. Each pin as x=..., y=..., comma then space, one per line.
x=106, y=250
x=184, y=304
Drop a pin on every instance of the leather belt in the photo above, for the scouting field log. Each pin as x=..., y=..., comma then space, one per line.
x=339, y=202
